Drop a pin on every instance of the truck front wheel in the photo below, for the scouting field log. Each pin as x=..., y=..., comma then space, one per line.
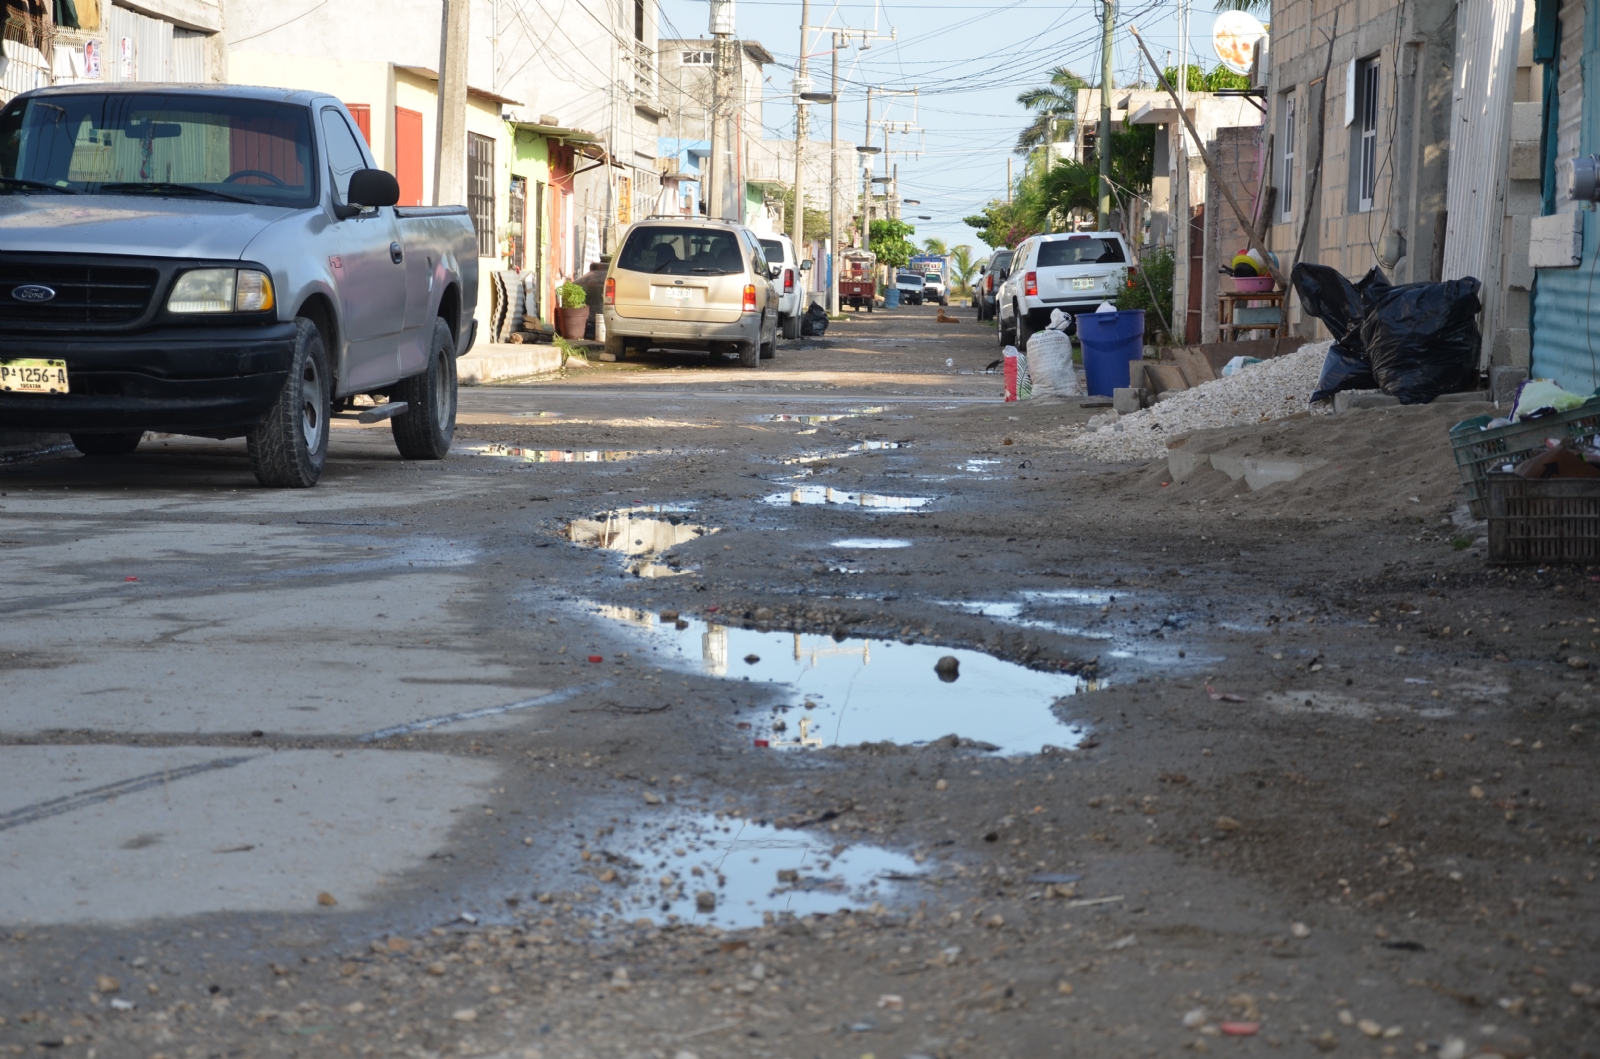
x=289, y=446
x=428, y=425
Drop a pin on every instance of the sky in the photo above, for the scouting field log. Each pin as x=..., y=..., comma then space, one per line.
x=969, y=61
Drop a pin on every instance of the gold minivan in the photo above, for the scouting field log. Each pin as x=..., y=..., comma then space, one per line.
x=692, y=283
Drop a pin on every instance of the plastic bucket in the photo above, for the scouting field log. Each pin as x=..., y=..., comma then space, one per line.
x=891, y=298
x=1110, y=341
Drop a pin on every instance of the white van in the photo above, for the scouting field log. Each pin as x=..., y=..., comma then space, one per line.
x=791, y=284
x=1071, y=271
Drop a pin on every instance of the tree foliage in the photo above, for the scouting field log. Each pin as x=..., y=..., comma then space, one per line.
x=962, y=266
x=1216, y=79
x=891, y=242
x=1055, y=107
x=1001, y=224
x=1156, y=267
x=934, y=245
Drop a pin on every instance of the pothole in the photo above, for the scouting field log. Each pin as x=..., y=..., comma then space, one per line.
x=844, y=693
x=725, y=871
x=826, y=495
x=643, y=534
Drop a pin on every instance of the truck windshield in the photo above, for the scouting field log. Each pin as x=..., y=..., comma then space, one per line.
x=159, y=144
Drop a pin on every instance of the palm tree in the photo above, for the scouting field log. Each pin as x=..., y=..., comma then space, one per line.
x=962, y=267
x=935, y=245
x=1244, y=5
x=1054, y=103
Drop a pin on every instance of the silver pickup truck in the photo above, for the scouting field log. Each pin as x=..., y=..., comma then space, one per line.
x=222, y=262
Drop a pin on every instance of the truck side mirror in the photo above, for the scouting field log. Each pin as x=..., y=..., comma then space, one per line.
x=373, y=187
x=805, y=266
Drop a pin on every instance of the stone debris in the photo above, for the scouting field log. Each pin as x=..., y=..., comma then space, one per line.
x=1270, y=390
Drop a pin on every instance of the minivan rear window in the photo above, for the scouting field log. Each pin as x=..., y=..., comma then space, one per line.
x=670, y=250
x=1080, y=250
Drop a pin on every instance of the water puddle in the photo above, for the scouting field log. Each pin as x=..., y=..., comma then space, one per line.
x=812, y=420
x=724, y=871
x=568, y=455
x=633, y=532
x=821, y=494
x=842, y=693
x=1130, y=635
x=977, y=466
x=878, y=446
x=870, y=542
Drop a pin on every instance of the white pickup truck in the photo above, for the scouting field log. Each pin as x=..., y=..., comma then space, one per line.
x=224, y=262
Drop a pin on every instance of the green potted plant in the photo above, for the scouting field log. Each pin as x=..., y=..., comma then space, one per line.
x=572, y=314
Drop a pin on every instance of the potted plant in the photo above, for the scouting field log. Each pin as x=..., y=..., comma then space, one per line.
x=572, y=314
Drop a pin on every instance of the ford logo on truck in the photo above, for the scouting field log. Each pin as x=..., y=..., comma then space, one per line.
x=32, y=292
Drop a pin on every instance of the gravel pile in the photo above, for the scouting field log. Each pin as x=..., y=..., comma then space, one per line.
x=1270, y=390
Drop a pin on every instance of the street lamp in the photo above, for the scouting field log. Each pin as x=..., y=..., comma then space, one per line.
x=867, y=151
x=819, y=97
x=912, y=202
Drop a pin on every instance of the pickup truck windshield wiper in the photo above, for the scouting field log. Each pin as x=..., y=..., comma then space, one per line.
x=158, y=188
x=19, y=182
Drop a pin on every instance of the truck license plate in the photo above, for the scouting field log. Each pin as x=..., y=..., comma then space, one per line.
x=1083, y=284
x=33, y=376
x=678, y=294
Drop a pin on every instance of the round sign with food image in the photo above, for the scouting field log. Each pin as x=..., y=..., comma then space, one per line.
x=1234, y=35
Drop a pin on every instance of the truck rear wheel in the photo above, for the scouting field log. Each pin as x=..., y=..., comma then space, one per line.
x=118, y=444
x=428, y=425
x=289, y=446
x=791, y=326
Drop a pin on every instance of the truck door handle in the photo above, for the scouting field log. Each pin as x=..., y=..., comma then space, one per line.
x=396, y=254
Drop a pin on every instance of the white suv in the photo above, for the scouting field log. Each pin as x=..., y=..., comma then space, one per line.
x=791, y=284
x=1071, y=271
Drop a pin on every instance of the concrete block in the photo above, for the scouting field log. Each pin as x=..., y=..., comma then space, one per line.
x=1556, y=241
x=1259, y=472
x=1345, y=400
x=1464, y=397
x=1127, y=399
x=1503, y=383
x=491, y=362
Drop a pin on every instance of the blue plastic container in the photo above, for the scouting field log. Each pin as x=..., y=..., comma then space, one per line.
x=891, y=298
x=1110, y=341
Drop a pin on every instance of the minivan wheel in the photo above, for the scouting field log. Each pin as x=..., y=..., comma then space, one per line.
x=791, y=326
x=750, y=353
x=616, y=348
x=426, y=428
x=118, y=444
x=289, y=446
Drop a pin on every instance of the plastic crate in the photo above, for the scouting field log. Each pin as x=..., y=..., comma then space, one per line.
x=1551, y=520
x=1480, y=451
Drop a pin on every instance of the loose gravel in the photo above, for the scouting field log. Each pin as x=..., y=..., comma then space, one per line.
x=1260, y=393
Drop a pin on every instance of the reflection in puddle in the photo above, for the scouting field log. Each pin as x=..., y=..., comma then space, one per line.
x=633, y=533
x=869, y=691
x=787, y=417
x=1125, y=640
x=876, y=446
x=821, y=494
x=569, y=455
x=977, y=466
x=870, y=542
x=722, y=870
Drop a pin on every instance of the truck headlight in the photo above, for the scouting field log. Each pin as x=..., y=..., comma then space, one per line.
x=221, y=290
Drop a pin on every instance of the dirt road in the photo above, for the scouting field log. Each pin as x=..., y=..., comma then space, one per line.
x=628, y=730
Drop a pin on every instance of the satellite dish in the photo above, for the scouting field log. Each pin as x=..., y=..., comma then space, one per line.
x=1234, y=36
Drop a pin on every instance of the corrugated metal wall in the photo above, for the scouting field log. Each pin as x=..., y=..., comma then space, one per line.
x=188, y=63
x=1566, y=335
x=137, y=48
x=22, y=68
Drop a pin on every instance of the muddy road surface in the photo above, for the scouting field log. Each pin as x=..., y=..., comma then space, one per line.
x=830, y=709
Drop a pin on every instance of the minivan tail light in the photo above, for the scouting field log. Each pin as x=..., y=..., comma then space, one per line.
x=611, y=290
x=1030, y=284
x=788, y=280
x=749, y=298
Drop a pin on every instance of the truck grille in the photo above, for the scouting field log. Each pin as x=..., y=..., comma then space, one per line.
x=83, y=294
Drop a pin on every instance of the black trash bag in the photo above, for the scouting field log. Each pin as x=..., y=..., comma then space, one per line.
x=1338, y=303
x=1422, y=338
x=1341, y=371
x=814, y=323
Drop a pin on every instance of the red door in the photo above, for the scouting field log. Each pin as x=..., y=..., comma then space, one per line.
x=408, y=155
x=362, y=112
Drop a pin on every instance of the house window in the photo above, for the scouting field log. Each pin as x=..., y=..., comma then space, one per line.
x=1286, y=181
x=697, y=58
x=638, y=19
x=480, y=190
x=1367, y=115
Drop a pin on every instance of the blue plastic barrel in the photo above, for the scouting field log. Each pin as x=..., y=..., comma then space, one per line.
x=891, y=298
x=1110, y=341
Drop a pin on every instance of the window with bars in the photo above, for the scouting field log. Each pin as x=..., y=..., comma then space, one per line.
x=480, y=190
x=1286, y=180
x=697, y=58
x=1367, y=113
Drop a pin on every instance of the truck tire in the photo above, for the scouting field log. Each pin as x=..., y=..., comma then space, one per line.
x=791, y=326
x=1023, y=332
x=289, y=446
x=616, y=348
x=424, y=431
x=119, y=444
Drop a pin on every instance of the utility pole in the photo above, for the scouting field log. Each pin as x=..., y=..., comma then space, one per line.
x=802, y=84
x=866, y=195
x=721, y=56
x=450, y=124
x=1106, y=85
x=1008, y=180
x=833, y=189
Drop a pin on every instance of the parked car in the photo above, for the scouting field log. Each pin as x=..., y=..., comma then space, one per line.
x=858, y=286
x=989, y=279
x=779, y=250
x=256, y=288
x=933, y=289
x=696, y=284
x=1073, y=271
x=909, y=284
